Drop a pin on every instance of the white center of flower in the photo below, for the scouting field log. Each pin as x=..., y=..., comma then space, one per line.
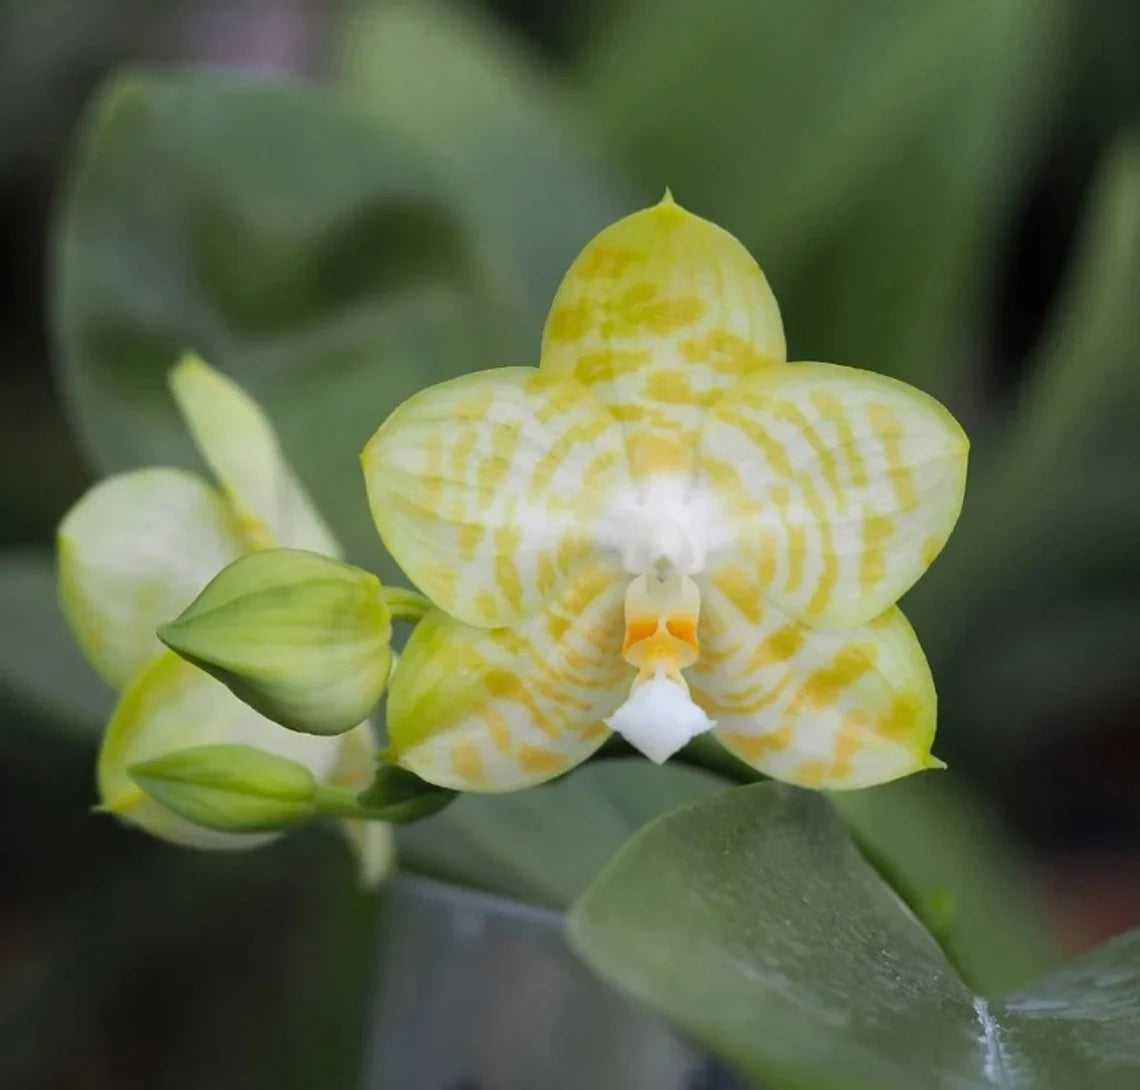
x=663, y=525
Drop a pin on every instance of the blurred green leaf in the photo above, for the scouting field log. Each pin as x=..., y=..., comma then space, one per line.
x=547, y=844
x=40, y=665
x=1051, y=680
x=940, y=848
x=776, y=120
x=288, y=239
x=1061, y=471
x=510, y=151
x=753, y=923
x=901, y=285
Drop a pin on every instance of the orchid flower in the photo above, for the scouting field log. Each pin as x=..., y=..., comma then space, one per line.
x=135, y=550
x=665, y=529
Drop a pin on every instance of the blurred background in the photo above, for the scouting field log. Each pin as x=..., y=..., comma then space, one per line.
x=948, y=192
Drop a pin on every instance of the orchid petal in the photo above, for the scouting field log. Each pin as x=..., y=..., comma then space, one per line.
x=485, y=489
x=134, y=552
x=172, y=705
x=503, y=709
x=659, y=313
x=239, y=444
x=814, y=707
x=838, y=486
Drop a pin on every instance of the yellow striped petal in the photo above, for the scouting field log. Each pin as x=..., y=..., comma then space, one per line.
x=372, y=843
x=499, y=710
x=134, y=552
x=172, y=705
x=841, y=487
x=818, y=708
x=659, y=313
x=240, y=446
x=487, y=489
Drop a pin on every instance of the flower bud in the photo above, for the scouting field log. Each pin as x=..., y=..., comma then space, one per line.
x=299, y=637
x=229, y=788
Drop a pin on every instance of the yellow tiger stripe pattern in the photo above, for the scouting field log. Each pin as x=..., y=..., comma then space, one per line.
x=758, y=519
x=659, y=313
x=857, y=480
x=505, y=708
x=816, y=707
x=486, y=489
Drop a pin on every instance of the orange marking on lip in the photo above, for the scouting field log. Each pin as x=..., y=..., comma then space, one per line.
x=636, y=631
x=684, y=628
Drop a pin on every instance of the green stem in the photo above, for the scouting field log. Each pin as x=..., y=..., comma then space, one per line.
x=405, y=605
x=333, y=801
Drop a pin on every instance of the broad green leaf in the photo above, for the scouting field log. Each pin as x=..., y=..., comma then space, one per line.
x=40, y=663
x=522, y=174
x=1079, y=1027
x=753, y=923
x=289, y=240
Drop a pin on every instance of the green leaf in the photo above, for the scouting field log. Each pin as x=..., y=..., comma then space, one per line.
x=400, y=796
x=753, y=923
x=521, y=173
x=776, y=119
x=40, y=664
x=945, y=853
x=1061, y=471
x=547, y=844
x=900, y=285
x=1080, y=1026
x=286, y=237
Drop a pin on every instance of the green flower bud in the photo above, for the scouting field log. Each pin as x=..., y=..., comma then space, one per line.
x=299, y=637
x=229, y=788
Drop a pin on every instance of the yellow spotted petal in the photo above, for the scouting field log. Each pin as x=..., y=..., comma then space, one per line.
x=172, y=705
x=499, y=710
x=134, y=552
x=372, y=842
x=840, y=487
x=659, y=313
x=818, y=708
x=487, y=489
x=239, y=444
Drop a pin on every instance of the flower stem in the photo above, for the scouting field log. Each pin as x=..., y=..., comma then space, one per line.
x=335, y=801
x=404, y=604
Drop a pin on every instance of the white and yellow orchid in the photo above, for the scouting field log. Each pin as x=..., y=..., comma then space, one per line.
x=136, y=550
x=664, y=529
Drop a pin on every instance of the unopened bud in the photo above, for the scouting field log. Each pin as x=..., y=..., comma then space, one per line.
x=299, y=637
x=230, y=788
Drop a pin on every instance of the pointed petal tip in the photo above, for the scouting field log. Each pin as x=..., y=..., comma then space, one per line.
x=186, y=366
